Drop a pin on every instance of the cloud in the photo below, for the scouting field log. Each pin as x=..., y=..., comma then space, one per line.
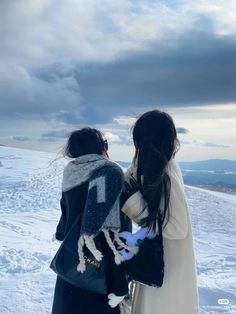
x=43, y=32
x=189, y=75
x=80, y=62
x=182, y=130
x=23, y=94
x=200, y=142
x=48, y=139
x=208, y=144
x=51, y=31
x=112, y=137
x=21, y=138
x=58, y=134
x=125, y=120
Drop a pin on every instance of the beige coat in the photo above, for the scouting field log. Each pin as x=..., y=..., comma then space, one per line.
x=179, y=294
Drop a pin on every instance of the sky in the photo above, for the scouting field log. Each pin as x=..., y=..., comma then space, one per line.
x=102, y=63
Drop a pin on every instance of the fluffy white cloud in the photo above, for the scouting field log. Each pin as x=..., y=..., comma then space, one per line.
x=48, y=31
x=112, y=137
x=222, y=14
x=125, y=120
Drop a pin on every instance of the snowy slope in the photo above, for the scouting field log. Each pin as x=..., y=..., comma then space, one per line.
x=29, y=211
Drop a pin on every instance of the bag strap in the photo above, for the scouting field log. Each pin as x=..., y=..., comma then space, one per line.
x=160, y=226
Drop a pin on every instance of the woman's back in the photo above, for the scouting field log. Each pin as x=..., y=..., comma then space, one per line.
x=179, y=291
x=161, y=193
x=91, y=189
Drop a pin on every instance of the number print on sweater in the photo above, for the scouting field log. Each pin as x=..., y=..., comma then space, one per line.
x=99, y=183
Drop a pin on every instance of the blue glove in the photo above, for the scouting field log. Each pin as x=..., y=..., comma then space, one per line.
x=134, y=240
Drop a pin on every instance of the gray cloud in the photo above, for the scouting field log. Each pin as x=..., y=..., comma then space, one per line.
x=202, y=70
x=120, y=70
x=48, y=139
x=208, y=144
x=56, y=134
x=21, y=138
x=23, y=94
x=203, y=143
x=182, y=130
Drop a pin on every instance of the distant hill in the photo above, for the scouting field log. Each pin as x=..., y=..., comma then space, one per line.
x=124, y=164
x=214, y=172
x=217, y=173
x=211, y=164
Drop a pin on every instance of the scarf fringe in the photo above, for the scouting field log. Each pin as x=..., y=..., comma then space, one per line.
x=81, y=266
x=118, y=258
x=89, y=242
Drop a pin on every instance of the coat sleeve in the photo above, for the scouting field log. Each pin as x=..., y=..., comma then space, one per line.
x=60, y=230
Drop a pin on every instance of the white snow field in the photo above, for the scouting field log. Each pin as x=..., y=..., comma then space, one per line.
x=29, y=212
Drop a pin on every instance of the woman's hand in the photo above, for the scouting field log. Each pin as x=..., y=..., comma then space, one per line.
x=130, y=238
x=131, y=241
x=129, y=188
x=132, y=187
x=134, y=240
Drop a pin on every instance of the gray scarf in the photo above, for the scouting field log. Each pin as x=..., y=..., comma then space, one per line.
x=102, y=209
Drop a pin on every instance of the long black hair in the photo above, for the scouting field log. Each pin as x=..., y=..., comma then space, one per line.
x=156, y=142
x=85, y=141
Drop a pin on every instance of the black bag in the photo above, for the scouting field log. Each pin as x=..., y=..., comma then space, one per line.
x=66, y=260
x=147, y=266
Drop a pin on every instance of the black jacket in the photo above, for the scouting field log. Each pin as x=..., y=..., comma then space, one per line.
x=69, y=299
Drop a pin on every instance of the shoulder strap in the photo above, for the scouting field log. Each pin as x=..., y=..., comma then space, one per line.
x=160, y=226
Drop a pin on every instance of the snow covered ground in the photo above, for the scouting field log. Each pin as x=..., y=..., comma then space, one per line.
x=29, y=211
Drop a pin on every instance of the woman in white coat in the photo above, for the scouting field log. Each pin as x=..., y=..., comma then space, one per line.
x=159, y=178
